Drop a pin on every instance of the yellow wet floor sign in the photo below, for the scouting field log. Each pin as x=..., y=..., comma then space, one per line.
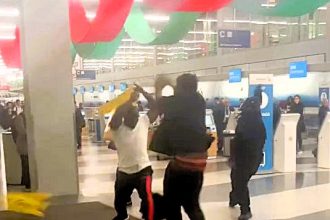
x=28, y=203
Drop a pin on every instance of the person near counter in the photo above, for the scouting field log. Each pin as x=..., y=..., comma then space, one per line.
x=247, y=153
x=20, y=139
x=323, y=111
x=80, y=124
x=221, y=113
x=298, y=107
x=130, y=134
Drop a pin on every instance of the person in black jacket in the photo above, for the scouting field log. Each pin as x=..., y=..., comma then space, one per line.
x=80, y=123
x=247, y=154
x=298, y=107
x=323, y=111
x=184, y=133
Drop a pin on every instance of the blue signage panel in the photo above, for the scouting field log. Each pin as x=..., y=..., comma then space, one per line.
x=267, y=117
x=298, y=69
x=74, y=91
x=82, y=89
x=86, y=74
x=235, y=75
x=112, y=87
x=234, y=38
x=123, y=86
x=100, y=88
x=324, y=94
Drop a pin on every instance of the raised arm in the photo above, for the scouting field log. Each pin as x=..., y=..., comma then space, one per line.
x=153, y=112
x=117, y=118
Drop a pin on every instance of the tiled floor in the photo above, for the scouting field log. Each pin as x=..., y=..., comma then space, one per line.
x=302, y=195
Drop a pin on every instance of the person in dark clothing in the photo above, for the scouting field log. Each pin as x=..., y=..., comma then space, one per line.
x=298, y=107
x=247, y=154
x=184, y=116
x=80, y=123
x=289, y=103
x=140, y=106
x=276, y=115
x=323, y=111
x=219, y=112
x=20, y=139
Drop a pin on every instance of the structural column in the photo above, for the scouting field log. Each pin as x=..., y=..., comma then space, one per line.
x=45, y=45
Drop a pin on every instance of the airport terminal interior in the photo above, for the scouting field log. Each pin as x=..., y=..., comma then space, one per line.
x=71, y=70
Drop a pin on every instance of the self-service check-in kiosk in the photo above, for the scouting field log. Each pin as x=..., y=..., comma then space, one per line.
x=323, y=155
x=210, y=124
x=285, y=149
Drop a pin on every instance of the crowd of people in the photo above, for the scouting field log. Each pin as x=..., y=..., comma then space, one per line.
x=13, y=118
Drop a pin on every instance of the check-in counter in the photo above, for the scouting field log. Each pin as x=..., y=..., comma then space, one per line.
x=12, y=159
x=323, y=154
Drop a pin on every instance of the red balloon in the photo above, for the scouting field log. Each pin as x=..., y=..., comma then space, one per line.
x=187, y=5
x=109, y=21
x=10, y=51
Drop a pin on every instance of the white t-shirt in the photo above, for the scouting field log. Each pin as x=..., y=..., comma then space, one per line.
x=132, y=146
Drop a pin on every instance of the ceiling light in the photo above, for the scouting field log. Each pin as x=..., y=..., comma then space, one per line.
x=268, y=5
x=7, y=37
x=157, y=18
x=322, y=8
x=202, y=32
x=127, y=40
x=137, y=47
x=194, y=41
x=9, y=12
x=207, y=20
x=7, y=27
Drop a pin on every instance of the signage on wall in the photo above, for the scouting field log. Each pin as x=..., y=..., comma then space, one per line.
x=82, y=89
x=298, y=69
x=234, y=38
x=74, y=90
x=101, y=88
x=266, y=82
x=123, y=86
x=324, y=94
x=85, y=74
x=112, y=87
x=235, y=75
x=91, y=89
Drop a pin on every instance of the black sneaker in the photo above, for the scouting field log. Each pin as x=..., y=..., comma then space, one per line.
x=232, y=204
x=245, y=216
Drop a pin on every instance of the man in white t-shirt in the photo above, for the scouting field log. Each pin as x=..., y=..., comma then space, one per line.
x=130, y=134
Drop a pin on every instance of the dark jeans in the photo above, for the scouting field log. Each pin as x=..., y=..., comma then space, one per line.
x=248, y=156
x=25, y=172
x=124, y=186
x=299, y=138
x=78, y=133
x=220, y=128
x=182, y=188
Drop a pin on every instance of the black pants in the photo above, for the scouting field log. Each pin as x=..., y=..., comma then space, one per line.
x=299, y=138
x=78, y=134
x=124, y=186
x=220, y=128
x=25, y=181
x=182, y=188
x=248, y=157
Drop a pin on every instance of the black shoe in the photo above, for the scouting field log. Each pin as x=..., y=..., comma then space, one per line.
x=232, y=204
x=245, y=216
x=129, y=204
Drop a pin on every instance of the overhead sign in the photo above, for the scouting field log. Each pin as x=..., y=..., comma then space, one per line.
x=123, y=86
x=112, y=87
x=82, y=89
x=91, y=89
x=298, y=69
x=85, y=74
x=235, y=75
x=234, y=38
x=100, y=88
x=324, y=94
x=74, y=90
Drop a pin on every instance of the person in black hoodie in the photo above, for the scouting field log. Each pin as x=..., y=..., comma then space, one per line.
x=247, y=153
x=184, y=134
x=298, y=107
